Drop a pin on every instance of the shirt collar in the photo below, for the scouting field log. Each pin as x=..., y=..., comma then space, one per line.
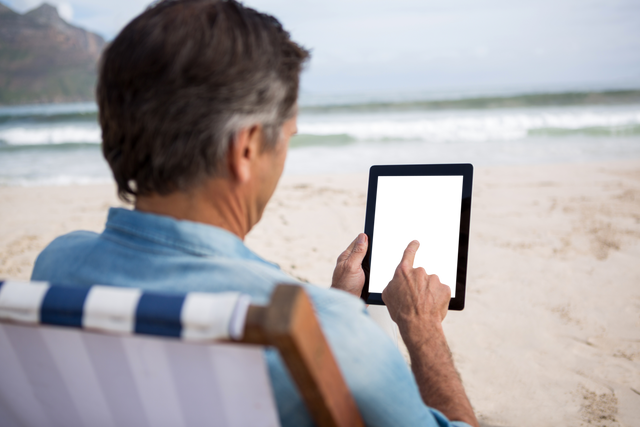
x=186, y=236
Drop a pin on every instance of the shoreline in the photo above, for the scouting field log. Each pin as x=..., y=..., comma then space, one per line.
x=549, y=334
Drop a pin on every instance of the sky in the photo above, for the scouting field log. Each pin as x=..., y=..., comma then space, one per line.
x=417, y=48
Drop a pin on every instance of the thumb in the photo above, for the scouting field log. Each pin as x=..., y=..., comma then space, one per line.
x=359, y=249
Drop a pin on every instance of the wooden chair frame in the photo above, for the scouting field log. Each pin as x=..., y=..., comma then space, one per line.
x=289, y=324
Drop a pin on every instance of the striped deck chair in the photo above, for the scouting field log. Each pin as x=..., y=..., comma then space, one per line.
x=117, y=357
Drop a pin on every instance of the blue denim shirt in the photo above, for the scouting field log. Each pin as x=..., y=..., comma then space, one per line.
x=159, y=253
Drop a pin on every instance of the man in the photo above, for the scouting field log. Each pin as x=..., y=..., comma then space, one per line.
x=197, y=103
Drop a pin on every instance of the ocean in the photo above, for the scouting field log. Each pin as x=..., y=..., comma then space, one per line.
x=59, y=144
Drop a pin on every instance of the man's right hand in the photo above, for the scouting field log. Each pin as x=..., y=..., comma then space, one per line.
x=418, y=303
x=414, y=297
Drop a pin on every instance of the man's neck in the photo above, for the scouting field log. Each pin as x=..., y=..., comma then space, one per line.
x=213, y=203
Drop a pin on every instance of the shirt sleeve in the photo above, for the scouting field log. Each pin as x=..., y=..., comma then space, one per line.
x=380, y=380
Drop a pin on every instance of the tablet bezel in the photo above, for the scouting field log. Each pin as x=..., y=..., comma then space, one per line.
x=458, y=169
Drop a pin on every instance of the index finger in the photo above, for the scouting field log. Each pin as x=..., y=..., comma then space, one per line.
x=410, y=253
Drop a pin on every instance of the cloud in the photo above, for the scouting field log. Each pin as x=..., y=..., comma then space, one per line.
x=65, y=10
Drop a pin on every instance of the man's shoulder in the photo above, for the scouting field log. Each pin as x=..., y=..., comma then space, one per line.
x=69, y=244
x=63, y=249
x=73, y=238
x=85, y=258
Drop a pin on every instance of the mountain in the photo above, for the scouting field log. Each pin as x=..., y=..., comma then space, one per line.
x=45, y=59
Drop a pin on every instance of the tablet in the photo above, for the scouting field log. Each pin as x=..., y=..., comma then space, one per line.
x=428, y=203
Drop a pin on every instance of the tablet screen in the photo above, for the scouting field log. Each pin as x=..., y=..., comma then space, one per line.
x=423, y=208
x=430, y=203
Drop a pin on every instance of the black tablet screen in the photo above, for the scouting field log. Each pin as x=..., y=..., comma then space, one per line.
x=425, y=208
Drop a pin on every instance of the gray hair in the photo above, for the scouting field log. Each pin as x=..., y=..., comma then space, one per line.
x=181, y=80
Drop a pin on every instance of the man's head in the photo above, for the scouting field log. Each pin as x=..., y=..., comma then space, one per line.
x=179, y=83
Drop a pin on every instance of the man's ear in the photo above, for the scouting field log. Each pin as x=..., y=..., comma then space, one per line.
x=243, y=152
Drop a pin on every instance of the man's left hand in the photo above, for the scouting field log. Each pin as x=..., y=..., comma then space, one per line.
x=348, y=275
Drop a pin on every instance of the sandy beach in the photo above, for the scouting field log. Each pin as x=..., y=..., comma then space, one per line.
x=551, y=330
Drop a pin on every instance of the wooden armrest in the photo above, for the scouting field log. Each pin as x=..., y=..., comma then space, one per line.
x=289, y=324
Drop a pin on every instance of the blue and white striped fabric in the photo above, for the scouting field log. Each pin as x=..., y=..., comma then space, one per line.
x=87, y=357
x=196, y=316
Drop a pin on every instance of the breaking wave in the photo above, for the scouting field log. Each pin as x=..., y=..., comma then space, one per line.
x=44, y=135
x=480, y=128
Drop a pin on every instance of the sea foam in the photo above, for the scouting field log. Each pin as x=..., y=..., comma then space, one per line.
x=53, y=134
x=493, y=126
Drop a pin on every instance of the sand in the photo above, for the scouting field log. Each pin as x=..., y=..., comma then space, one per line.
x=551, y=331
